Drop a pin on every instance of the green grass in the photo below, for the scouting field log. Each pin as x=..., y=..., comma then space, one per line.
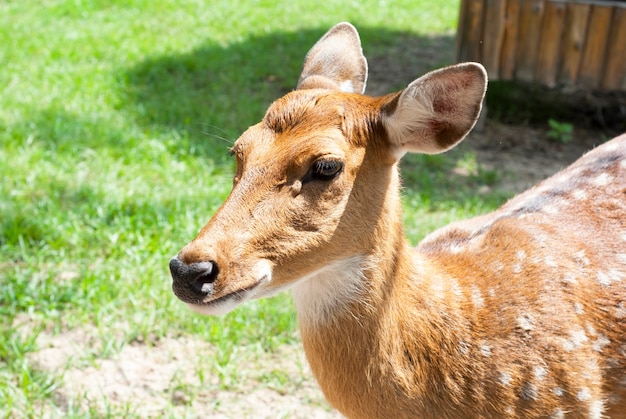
x=115, y=119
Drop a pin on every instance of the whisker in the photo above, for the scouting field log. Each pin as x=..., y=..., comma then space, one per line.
x=227, y=140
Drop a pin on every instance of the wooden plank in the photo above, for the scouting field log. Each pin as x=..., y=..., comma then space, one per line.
x=531, y=19
x=615, y=66
x=461, y=33
x=493, y=35
x=592, y=65
x=550, y=44
x=509, y=42
x=474, y=32
x=573, y=41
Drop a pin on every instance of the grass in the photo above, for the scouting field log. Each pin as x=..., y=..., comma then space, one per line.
x=115, y=118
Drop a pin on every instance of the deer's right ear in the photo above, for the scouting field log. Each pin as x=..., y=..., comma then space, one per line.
x=336, y=62
x=436, y=111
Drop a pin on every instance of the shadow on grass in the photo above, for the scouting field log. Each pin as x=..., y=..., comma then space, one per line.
x=214, y=93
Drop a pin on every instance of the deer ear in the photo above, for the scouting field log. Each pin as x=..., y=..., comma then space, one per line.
x=436, y=111
x=336, y=62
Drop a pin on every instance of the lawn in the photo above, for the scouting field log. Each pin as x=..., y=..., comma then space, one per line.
x=115, y=122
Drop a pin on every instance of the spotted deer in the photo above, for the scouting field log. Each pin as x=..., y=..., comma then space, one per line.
x=517, y=313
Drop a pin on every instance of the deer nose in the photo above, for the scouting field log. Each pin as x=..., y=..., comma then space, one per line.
x=196, y=278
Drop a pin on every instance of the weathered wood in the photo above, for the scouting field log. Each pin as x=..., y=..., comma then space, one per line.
x=475, y=29
x=592, y=65
x=550, y=43
x=573, y=41
x=493, y=36
x=530, y=32
x=461, y=35
x=615, y=67
x=509, y=42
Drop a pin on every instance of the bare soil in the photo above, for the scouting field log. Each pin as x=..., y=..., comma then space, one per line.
x=171, y=378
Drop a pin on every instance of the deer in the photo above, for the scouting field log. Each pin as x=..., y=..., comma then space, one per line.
x=518, y=313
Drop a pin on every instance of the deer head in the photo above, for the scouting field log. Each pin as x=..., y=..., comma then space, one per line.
x=316, y=180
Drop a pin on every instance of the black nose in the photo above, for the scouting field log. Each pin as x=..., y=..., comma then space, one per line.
x=193, y=280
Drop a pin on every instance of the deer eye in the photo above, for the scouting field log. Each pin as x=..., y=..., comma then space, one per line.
x=326, y=169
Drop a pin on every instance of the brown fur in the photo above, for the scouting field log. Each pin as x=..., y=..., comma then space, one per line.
x=518, y=313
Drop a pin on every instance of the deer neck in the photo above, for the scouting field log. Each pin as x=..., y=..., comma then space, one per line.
x=349, y=317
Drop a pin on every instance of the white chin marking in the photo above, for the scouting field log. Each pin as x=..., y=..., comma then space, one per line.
x=218, y=309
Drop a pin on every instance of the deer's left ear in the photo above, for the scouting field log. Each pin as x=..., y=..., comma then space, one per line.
x=436, y=111
x=336, y=62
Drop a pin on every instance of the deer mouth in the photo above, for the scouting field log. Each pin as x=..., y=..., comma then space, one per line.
x=239, y=295
x=227, y=302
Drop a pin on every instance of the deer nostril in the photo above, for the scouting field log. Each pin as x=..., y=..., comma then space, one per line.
x=201, y=275
x=204, y=283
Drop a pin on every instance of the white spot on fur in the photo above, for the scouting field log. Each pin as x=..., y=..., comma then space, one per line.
x=602, y=179
x=611, y=147
x=558, y=391
x=550, y=209
x=318, y=295
x=579, y=194
x=584, y=394
x=623, y=164
x=622, y=257
x=607, y=278
x=518, y=267
x=456, y=289
x=505, y=378
x=581, y=258
x=578, y=308
x=590, y=329
x=464, y=348
x=600, y=343
x=526, y=322
x=603, y=279
x=596, y=409
x=616, y=275
x=549, y=260
x=477, y=297
x=540, y=372
x=485, y=350
x=456, y=248
x=576, y=340
x=569, y=278
x=558, y=414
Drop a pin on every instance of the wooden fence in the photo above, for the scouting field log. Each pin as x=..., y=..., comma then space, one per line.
x=554, y=42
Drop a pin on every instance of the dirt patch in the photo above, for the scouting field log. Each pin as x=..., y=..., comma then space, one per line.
x=524, y=155
x=173, y=378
